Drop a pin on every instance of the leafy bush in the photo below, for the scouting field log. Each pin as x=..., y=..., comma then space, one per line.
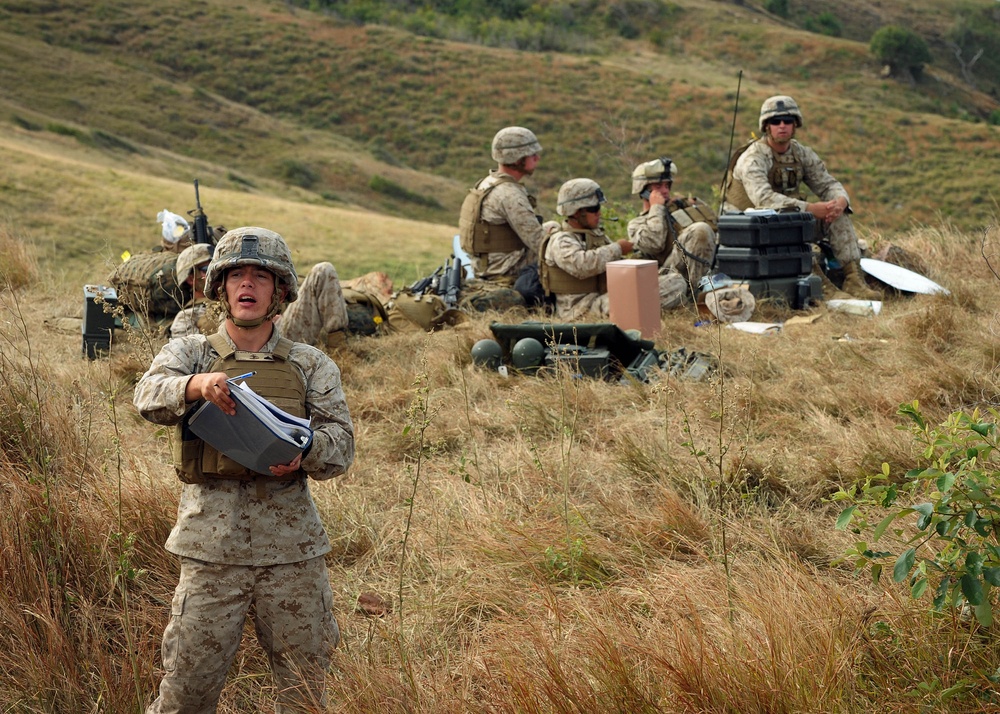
x=298, y=173
x=826, y=23
x=946, y=516
x=519, y=24
x=393, y=189
x=777, y=7
x=26, y=124
x=904, y=51
x=104, y=140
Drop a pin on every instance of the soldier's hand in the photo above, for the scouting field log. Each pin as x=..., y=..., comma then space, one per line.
x=285, y=469
x=656, y=198
x=625, y=245
x=212, y=387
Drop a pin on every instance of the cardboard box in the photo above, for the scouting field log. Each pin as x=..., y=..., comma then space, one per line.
x=634, y=295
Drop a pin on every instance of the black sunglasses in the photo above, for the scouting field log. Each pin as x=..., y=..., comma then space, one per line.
x=782, y=120
x=202, y=268
x=593, y=209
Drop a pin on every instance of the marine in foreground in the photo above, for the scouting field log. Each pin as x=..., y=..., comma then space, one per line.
x=245, y=538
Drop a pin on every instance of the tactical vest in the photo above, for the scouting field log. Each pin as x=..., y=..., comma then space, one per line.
x=785, y=177
x=476, y=236
x=556, y=281
x=277, y=380
x=687, y=211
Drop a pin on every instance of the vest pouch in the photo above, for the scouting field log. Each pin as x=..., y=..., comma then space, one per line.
x=187, y=454
x=221, y=466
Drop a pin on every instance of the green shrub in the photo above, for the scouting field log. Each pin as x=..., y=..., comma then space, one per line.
x=26, y=124
x=902, y=50
x=826, y=23
x=777, y=7
x=298, y=173
x=943, y=519
x=104, y=140
x=394, y=190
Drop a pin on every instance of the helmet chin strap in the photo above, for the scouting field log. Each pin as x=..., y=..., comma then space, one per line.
x=275, y=305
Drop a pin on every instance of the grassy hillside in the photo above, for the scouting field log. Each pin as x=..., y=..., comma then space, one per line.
x=571, y=545
x=266, y=98
x=82, y=211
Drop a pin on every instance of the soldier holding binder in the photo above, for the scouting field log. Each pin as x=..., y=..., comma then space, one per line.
x=247, y=538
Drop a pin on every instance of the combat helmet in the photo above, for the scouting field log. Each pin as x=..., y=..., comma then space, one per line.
x=578, y=193
x=779, y=106
x=527, y=354
x=655, y=171
x=190, y=257
x=252, y=245
x=487, y=353
x=513, y=143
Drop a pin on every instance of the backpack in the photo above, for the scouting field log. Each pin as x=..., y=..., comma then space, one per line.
x=365, y=313
x=147, y=284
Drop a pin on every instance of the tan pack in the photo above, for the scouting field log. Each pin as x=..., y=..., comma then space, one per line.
x=408, y=312
x=147, y=284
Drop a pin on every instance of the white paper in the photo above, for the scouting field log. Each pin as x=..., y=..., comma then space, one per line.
x=867, y=308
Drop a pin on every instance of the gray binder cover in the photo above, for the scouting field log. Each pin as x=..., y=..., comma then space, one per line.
x=258, y=436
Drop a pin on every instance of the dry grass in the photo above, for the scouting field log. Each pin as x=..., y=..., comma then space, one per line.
x=569, y=541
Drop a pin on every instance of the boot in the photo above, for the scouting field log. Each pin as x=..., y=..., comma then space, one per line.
x=830, y=291
x=855, y=284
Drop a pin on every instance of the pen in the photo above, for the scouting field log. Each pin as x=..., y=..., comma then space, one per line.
x=242, y=376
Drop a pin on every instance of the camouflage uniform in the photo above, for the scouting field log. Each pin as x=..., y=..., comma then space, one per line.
x=752, y=172
x=509, y=203
x=187, y=320
x=688, y=256
x=568, y=249
x=249, y=541
x=253, y=545
x=319, y=310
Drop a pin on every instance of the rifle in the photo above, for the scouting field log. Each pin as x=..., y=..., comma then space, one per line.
x=201, y=232
x=421, y=286
x=452, y=283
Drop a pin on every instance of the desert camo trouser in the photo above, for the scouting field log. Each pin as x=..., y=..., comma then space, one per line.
x=842, y=238
x=293, y=618
x=319, y=309
x=688, y=262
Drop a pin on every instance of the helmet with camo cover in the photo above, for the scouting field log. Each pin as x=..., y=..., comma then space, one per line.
x=655, y=171
x=578, y=193
x=513, y=143
x=779, y=106
x=190, y=257
x=252, y=245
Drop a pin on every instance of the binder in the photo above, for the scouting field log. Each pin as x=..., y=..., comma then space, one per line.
x=258, y=436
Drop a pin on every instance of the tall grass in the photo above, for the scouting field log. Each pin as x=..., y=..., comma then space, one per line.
x=563, y=548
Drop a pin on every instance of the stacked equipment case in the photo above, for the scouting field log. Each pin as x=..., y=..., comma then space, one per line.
x=772, y=254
